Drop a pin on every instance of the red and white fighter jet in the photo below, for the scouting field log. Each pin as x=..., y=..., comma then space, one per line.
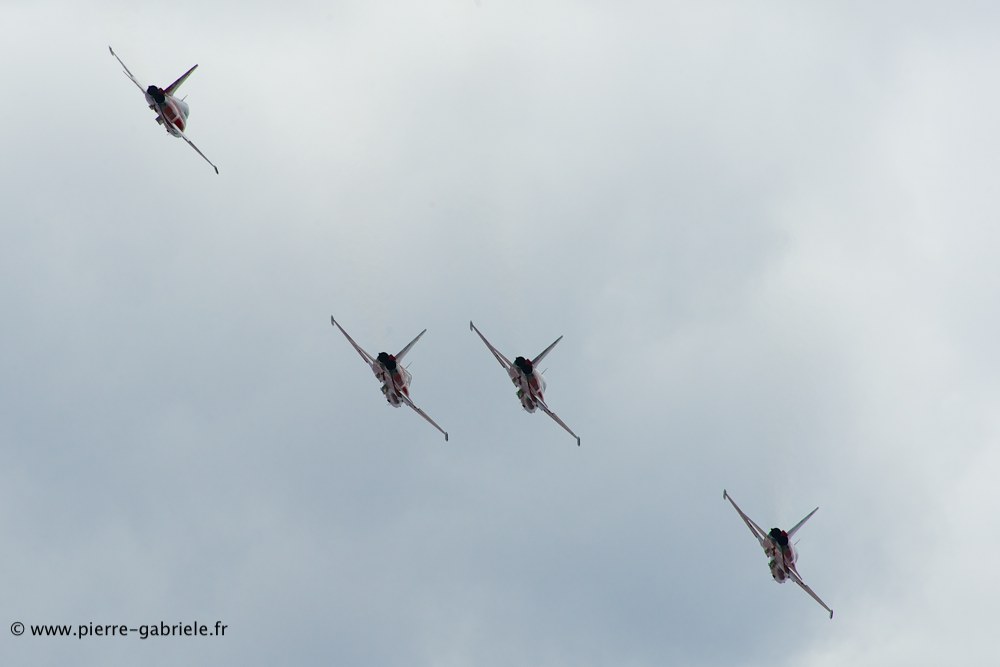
x=172, y=113
x=394, y=378
x=779, y=550
x=529, y=382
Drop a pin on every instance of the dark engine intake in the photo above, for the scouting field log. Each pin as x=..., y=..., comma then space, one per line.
x=157, y=94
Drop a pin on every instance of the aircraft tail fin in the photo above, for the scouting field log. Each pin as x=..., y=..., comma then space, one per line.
x=169, y=90
x=541, y=356
x=402, y=353
x=799, y=524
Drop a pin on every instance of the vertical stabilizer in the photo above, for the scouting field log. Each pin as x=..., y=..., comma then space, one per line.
x=402, y=353
x=538, y=359
x=169, y=90
x=799, y=524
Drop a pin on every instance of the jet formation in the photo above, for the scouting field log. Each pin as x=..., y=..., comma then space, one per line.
x=395, y=379
x=172, y=114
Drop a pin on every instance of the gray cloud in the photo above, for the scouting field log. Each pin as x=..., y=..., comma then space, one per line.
x=764, y=232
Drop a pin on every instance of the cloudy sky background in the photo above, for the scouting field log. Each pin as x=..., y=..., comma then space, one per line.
x=767, y=233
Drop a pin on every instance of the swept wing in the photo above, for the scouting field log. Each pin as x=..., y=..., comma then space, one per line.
x=797, y=579
x=555, y=417
x=364, y=355
x=127, y=72
x=504, y=361
x=757, y=531
x=176, y=130
x=406, y=399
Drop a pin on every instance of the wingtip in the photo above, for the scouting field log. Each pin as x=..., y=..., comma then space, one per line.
x=724, y=495
x=216, y=170
x=446, y=436
x=831, y=614
x=333, y=321
x=470, y=325
x=577, y=441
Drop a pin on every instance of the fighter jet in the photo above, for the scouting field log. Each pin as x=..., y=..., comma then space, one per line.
x=529, y=382
x=394, y=378
x=779, y=550
x=172, y=113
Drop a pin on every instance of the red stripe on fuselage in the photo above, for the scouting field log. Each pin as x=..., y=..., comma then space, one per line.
x=169, y=112
x=174, y=116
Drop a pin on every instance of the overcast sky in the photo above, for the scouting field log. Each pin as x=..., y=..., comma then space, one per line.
x=766, y=230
